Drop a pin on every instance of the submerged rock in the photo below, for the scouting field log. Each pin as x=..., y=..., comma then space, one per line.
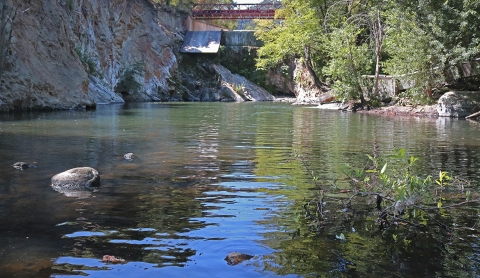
x=23, y=165
x=76, y=179
x=112, y=259
x=234, y=258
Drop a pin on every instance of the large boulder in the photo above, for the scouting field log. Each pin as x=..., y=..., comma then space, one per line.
x=76, y=179
x=458, y=104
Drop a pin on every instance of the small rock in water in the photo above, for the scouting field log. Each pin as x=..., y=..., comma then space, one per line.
x=235, y=258
x=112, y=259
x=23, y=165
x=128, y=156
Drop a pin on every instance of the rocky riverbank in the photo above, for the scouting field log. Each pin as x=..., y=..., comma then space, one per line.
x=394, y=110
x=455, y=104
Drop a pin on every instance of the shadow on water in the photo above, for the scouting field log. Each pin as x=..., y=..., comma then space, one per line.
x=208, y=179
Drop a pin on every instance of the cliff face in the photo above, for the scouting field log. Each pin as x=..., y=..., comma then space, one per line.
x=68, y=54
x=55, y=44
x=42, y=69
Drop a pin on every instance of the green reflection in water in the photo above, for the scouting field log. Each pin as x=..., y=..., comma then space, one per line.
x=213, y=178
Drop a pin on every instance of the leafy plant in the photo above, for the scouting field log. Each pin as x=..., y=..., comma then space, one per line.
x=238, y=88
x=128, y=83
x=87, y=60
x=400, y=197
x=70, y=4
x=418, y=42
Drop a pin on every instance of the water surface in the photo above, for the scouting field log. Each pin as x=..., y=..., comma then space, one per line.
x=209, y=179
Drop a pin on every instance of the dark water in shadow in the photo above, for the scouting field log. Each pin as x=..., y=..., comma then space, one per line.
x=209, y=179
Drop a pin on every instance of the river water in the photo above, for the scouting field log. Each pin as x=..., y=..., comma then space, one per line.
x=208, y=179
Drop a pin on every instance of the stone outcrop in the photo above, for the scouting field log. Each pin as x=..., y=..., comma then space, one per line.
x=458, y=104
x=283, y=80
x=42, y=71
x=57, y=42
x=237, y=88
x=305, y=91
x=101, y=94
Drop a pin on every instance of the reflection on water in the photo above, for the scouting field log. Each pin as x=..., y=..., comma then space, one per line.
x=208, y=179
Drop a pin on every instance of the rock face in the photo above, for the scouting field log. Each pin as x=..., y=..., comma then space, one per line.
x=41, y=68
x=458, y=104
x=305, y=91
x=55, y=44
x=235, y=87
x=76, y=179
x=74, y=54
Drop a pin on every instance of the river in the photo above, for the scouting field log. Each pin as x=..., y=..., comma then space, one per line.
x=208, y=179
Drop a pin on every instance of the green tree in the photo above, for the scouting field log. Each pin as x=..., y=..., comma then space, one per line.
x=128, y=84
x=342, y=41
x=427, y=39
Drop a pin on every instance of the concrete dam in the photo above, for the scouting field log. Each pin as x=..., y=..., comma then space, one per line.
x=204, y=38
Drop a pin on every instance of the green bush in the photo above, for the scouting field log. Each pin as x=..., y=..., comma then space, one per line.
x=128, y=83
x=70, y=5
x=87, y=61
x=389, y=192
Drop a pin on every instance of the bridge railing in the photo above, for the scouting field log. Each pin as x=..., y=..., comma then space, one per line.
x=235, y=11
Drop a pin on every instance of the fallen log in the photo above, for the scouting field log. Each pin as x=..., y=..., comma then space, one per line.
x=476, y=114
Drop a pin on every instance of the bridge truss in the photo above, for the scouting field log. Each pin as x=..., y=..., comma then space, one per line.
x=235, y=11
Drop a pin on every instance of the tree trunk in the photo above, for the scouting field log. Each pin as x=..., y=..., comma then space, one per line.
x=474, y=115
x=378, y=33
x=308, y=64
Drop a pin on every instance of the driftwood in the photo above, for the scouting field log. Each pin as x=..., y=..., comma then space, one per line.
x=473, y=115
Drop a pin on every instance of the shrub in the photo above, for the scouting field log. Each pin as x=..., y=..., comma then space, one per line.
x=128, y=83
x=87, y=61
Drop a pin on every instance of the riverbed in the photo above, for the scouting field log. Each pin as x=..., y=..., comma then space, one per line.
x=208, y=179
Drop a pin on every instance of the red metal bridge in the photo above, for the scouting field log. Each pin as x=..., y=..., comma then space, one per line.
x=235, y=11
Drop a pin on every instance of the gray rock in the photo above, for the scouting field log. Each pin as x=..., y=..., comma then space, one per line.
x=76, y=179
x=238, y=88
x=100, y=93
x=458, y=104
x=129, y=156
x=23, y=165
x=234, y=258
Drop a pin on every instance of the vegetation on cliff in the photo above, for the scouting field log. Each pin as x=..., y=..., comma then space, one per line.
x=341, y=42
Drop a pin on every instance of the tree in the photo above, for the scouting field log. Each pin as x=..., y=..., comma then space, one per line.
x=425, y=39
x=332, y=39
x=298, y=35
x=342, y=41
